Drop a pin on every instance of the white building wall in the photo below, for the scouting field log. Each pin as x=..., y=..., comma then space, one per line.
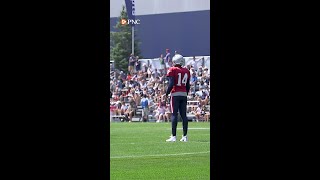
x=148, y=7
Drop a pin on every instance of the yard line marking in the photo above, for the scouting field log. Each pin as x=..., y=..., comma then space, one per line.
x=157, y=142
x=158, y=155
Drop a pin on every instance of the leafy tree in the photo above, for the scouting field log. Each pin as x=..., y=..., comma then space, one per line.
x=120, y=43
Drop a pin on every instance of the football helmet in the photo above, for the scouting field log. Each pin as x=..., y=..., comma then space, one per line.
x=178, y=59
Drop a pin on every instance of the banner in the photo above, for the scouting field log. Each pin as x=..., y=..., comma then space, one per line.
x=130, y=6
x=156, y=64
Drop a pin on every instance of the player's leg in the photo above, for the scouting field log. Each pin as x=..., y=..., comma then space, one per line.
x=183, y=114
x=174, y=116
x=174, y=105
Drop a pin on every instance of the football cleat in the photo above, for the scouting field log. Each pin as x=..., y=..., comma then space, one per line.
x=184, y=139
x=171, y=139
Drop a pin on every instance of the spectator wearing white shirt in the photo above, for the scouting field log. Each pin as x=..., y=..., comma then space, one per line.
x=155, y=73
x=199, y=71
x=160, y=115
x=149, y=71
x=151, y=81
x=126, y=84
x=129, y=113
x=123, y=108
x=143, y=84
x=130, y=84
x=192, y=71
x=156, y=84
x=198, y=113
x=205, y=72
x=168, y=113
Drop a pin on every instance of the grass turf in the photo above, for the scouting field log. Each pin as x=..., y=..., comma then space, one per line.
x=139, y=151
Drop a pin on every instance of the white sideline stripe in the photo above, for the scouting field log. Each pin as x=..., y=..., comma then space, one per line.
x=158, y=155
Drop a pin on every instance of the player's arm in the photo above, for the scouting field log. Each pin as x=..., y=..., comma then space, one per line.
x=170, y=86
x=188, y=86
x=188, y=83
x=170, y=78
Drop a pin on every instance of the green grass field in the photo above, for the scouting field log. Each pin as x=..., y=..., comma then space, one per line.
x=139, y=151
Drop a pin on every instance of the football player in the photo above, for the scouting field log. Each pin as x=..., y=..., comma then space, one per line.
x=178, y=88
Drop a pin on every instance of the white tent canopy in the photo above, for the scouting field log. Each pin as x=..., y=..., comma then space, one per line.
x=155, y=63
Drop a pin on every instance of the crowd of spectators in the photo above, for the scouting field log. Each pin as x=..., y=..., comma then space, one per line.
x=143, y=86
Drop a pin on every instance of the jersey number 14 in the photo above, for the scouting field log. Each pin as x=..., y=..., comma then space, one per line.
x=184, y=79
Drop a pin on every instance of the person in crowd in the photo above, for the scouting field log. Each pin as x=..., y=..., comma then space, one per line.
x=188, y=67
x=113, y=109
x=145, y=107
x=122, y=96
x=128, y=77
x=132, y=61
x=192, y=71
x=149, y=71
x=137, y=97
x=118, y=108
x=123, y=108
x=205, y=72
x=162, y=62
x=144, y=68
x=129, y=113
x=155, y=73
x=193, y=62
x=160, y=115
x=199, y=71
x=203, y=112
x=151, y=81
x=137, y=64
x=145, y=91
x=168, y=113
x=156, y=83
x=143, y=84
x=193, y=83
x=167, y=58
x=198, y=113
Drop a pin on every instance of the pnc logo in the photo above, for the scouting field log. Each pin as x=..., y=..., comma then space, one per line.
x=123, y=22
x=129, y=21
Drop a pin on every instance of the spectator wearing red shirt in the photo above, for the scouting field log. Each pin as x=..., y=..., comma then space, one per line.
x=129, y=76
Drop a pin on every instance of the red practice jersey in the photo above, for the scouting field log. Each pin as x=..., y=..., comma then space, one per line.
x=181, y=76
